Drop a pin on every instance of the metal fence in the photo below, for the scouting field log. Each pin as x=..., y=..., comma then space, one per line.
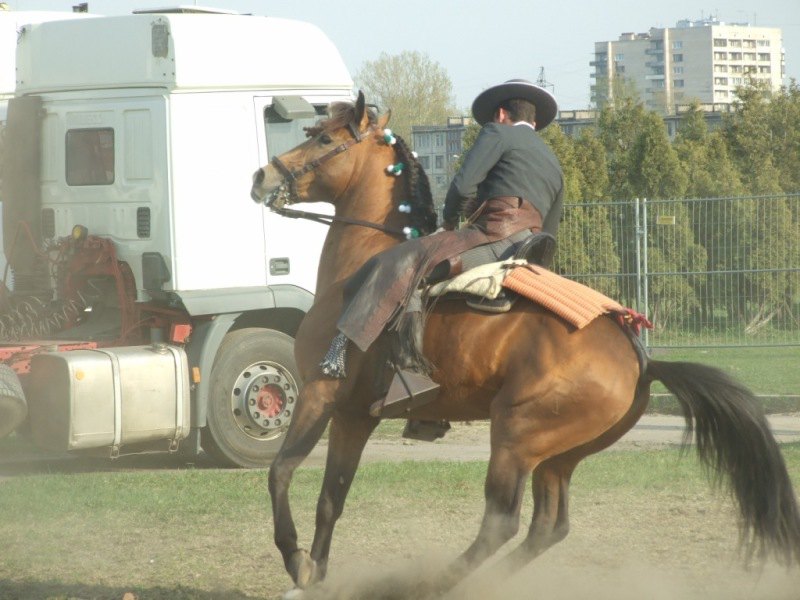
x=708, y=272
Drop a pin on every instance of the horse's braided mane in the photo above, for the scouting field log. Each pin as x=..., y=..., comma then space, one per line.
x=423, y=214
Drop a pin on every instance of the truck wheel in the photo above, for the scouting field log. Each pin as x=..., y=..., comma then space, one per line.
x=13, y=408
x=252, y=393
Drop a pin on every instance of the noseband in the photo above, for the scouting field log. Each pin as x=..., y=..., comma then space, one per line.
x=286, y=193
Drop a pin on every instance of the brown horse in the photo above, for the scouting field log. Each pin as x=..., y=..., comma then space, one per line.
x=553, y=394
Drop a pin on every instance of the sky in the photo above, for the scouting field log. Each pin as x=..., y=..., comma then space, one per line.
x=480, y=43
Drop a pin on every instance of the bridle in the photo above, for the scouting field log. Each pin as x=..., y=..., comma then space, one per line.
x=286, y=193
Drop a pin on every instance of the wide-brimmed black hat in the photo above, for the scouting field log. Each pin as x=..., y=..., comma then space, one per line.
x=485, y=105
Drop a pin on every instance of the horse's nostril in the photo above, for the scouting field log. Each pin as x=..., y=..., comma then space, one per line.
x=258, y=177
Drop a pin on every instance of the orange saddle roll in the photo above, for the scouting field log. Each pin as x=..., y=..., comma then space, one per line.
x=574, y=302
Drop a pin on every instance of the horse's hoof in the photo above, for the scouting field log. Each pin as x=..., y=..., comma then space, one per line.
x=293, y=594
x=303, y=569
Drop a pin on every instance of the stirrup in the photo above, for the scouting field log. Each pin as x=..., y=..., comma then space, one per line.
x=408, y=391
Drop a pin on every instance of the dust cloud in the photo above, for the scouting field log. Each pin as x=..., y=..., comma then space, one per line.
x=628, y=579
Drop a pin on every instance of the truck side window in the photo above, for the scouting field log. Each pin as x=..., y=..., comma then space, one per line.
x=90, y=156
x=284, y=134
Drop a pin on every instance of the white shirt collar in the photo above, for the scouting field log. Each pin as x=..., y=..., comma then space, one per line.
x=524, y=123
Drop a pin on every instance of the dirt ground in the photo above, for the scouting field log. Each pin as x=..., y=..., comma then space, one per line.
x=663, y=545
x=660, y=547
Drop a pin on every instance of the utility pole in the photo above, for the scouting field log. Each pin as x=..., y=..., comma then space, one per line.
x=541, y=81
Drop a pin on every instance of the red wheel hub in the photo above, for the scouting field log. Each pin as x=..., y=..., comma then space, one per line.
x=270, y=400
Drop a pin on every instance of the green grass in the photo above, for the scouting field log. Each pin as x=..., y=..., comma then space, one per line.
x=771, y=373
x=203, y=534
x=767, y=371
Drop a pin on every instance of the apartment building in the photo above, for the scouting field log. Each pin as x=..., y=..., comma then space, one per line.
x=438, y=149
x=703, y=60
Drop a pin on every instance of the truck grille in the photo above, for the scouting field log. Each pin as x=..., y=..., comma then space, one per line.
x=143, y=222
x=48, y=223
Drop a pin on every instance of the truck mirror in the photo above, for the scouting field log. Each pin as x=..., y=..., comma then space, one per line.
x=293, y=107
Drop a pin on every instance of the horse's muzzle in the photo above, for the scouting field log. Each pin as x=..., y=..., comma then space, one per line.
x=257, y=191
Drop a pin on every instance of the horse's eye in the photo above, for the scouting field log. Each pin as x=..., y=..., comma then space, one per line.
x=325, y=139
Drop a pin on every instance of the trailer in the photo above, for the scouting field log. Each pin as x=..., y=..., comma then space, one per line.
x=154, y=305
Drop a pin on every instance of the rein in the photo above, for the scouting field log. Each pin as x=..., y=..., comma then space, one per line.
x=331, y=219
x=282, y=196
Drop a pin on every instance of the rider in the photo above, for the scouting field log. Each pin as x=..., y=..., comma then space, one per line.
x=517, y=184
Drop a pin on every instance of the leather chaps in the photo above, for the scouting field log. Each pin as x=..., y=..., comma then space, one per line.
x=379, y=292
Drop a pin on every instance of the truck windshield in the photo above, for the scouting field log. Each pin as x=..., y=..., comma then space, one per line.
x=284, y=134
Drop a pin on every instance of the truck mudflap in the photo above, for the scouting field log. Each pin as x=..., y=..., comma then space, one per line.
x=13, y=408
x=109, y=398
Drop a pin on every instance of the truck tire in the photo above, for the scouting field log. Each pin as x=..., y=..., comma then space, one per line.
x=13, y=408
x=252, y=393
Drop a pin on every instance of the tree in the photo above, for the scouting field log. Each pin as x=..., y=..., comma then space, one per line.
x=764, y=139
x=621, y=91
x=598, y=230
x=655, y=171
x=770, y=292
x=563, y=148
x=417, y=89
x=784, y=125
x=619, y=125
x=711, y=174
x=592, y=169
x=750, y=139
x=470, y=135
x=585, y=238
x=704, y=157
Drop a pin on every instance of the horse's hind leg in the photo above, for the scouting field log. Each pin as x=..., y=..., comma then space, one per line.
x=312, y=413
x=504, y=489
x=550, y=522
x=347, y=438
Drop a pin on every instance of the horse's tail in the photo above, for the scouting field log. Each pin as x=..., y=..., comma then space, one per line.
x=733, y=438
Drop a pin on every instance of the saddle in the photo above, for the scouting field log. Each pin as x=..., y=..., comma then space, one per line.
x=536, y=249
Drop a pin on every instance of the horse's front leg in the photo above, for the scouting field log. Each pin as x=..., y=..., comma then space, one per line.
x=312, y=413
x=348, y=436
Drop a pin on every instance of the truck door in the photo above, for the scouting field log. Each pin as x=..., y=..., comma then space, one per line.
x=292, y=246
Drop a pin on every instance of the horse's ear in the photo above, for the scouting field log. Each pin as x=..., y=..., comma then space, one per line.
x=362, y=118
x=383, y=120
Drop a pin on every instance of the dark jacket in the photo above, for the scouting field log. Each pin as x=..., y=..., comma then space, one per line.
x=509, y=160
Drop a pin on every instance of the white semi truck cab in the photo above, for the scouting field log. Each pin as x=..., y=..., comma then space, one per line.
x=154, y=305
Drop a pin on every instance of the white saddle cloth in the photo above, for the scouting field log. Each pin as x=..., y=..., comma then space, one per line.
x=485, y=281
